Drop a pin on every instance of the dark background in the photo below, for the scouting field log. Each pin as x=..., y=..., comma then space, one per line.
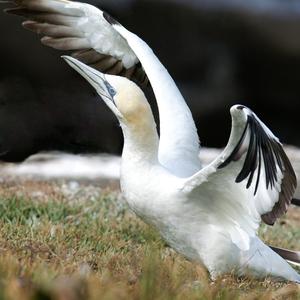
x=219, y=52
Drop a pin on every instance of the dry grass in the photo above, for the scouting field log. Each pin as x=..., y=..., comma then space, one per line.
x=69, y=242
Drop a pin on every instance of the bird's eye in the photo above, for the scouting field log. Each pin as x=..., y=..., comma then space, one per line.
x=110, y=89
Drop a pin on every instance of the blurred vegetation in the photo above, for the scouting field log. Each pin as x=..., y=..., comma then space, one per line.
x=57, y=248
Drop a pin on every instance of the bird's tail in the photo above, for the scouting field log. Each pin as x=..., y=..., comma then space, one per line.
x=296, y=202
x=291, y=256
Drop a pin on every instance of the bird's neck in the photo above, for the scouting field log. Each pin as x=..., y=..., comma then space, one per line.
x=140, y=144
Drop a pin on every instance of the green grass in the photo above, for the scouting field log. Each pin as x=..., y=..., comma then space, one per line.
x=95, y=248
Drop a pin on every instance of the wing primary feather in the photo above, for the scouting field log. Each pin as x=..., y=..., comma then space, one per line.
x=88, y=57
x=110, y=19
x=267, y=149
x=43, y=17
x=288, y=187
x=249, y=160
x=292, y=256
x=278, y=158
x=258, y=172
x=270, y=154
x=268, y=165
x=63, y=25
x=259, y=141
x=116, y=68
x=263, y=151
x=56, y=31
x=255, y=162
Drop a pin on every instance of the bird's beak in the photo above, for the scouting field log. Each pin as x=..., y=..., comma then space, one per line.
x=98, y=80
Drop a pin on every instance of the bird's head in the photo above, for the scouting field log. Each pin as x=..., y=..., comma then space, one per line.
x=126, y=100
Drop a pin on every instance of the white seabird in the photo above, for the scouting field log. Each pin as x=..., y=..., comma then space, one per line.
x=211, y=217
x=99, y=41
x=229, y=210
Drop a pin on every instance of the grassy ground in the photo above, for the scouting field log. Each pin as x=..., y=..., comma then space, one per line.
x=68, y=242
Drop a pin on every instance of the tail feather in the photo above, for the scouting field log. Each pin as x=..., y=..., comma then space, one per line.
x=289, y=255
x=296, y=202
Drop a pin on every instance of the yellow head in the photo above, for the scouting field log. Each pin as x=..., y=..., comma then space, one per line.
x=131, y=103
x=122, y=96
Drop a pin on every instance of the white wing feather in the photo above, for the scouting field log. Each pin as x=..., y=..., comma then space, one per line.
x=84, y=21
x=251, y=180
x=179, y=141
x=77, y=26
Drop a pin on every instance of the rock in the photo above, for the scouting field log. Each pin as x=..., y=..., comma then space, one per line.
x=79, y=174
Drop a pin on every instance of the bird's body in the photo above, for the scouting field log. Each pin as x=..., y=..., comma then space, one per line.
x=192, y=224
x=195, y=231
x=210, y=215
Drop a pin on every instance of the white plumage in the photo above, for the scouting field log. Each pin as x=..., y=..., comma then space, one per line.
x=210, y=215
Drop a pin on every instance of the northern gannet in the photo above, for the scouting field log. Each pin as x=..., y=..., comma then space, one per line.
x=105, y=45
x=212, y=216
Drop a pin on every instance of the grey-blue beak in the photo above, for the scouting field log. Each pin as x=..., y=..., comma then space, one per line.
x=98, y=80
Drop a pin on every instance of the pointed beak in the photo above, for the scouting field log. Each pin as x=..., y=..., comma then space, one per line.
x=98, y=80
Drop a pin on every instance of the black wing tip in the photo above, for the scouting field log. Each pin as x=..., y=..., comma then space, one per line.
x=110, y=19
x=289, y=255
x=264, y=150
x=269, y=219
x=12, y=11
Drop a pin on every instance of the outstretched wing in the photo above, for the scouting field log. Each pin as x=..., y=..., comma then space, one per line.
x=102, y=43
x=83, y=29
x=251, y=180
x=265, y=157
